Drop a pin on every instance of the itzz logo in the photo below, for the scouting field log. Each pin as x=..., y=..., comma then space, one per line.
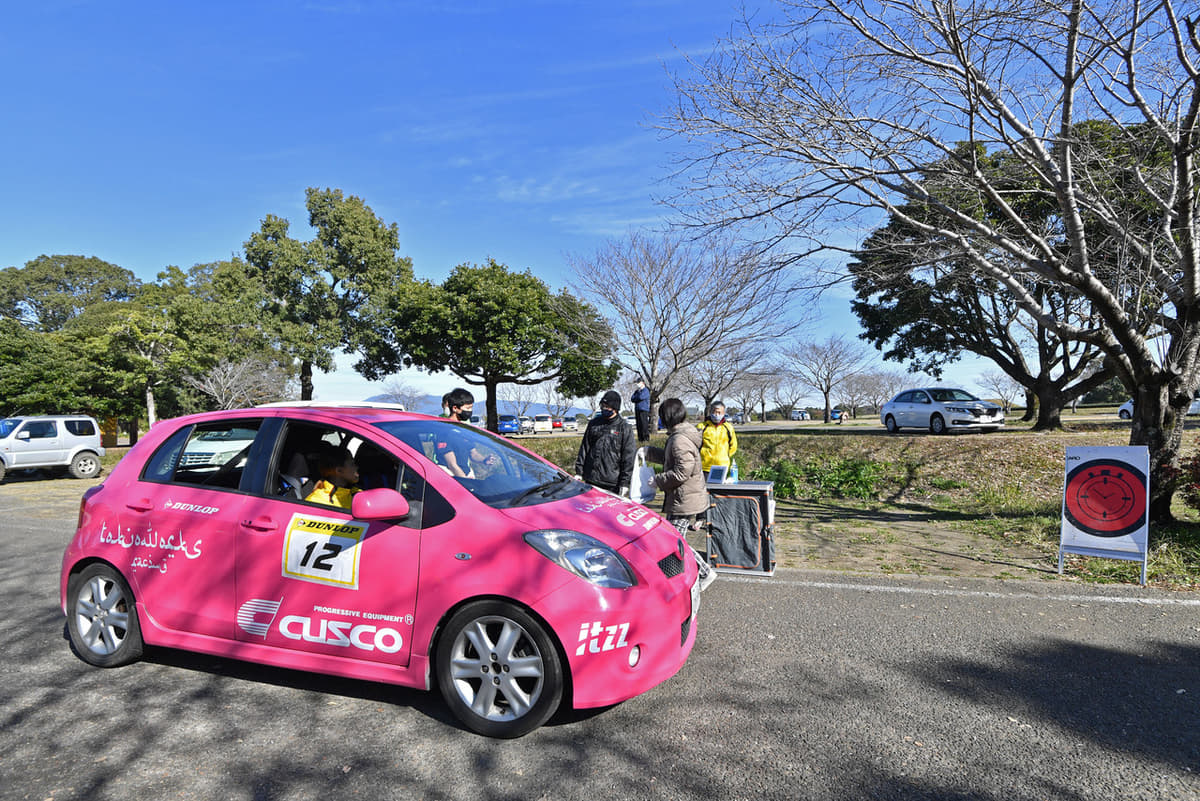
x=596, y=638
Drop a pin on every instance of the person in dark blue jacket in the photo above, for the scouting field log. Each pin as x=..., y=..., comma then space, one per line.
x=607, y=451
x=641, y=410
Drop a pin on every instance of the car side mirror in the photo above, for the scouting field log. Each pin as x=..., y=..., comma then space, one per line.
x=379, y=504
x=23, y=435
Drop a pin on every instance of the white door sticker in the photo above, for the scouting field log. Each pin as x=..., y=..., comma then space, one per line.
x=323, y=550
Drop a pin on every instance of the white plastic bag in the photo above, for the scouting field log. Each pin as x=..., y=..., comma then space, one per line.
x=641, y=484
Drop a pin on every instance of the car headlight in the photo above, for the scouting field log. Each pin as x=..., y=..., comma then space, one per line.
x=585, y=556
x=959, y=409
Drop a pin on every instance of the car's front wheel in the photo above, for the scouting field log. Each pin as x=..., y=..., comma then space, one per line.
x=1124, y=415
x=498, y=669
x=937, y=424
x=101, y=618
x=889, y=423
x=85, y=465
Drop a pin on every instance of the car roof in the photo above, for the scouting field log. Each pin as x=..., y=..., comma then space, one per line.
x=363, y=412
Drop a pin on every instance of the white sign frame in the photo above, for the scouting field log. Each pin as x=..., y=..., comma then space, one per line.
x=1099, y=482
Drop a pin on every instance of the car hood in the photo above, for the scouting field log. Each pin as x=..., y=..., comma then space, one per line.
x=612, y=520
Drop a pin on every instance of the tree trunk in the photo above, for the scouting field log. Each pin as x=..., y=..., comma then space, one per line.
x=1050, y=403
x=492, y=404
x=1159, y=426
x=1031, y=403
x=306, y=380
x=151, y=408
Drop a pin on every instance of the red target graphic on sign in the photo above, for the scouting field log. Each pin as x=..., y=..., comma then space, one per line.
x=1106, y=498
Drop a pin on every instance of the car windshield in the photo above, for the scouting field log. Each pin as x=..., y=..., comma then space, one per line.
x=943, y=395
x=496, y=472
x=8, y=425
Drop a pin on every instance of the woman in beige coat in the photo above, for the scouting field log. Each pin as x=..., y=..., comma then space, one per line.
x=682, y=480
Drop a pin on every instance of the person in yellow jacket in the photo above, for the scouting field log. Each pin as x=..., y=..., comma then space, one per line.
x=720, y=441
x=338, y=472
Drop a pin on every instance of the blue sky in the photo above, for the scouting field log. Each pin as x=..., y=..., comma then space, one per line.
x=155, y=134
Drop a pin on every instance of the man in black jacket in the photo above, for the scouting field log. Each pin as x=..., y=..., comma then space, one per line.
x=607, y=452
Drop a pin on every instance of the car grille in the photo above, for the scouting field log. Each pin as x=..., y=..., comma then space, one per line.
x=671, y=565
x=193, y=459
x=684, y=628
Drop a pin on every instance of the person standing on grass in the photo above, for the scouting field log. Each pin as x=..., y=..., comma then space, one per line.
x=607, y=452
x=719, y=440
x=641, y=410
x=685, y=496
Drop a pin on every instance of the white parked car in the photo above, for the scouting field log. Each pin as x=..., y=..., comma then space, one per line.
x=940, y=409
x=570, y=424
x=1125, y=412
x=526, y=424
x=543, y=424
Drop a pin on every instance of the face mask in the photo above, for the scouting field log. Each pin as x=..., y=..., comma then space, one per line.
x=608, y=413
x=464, y=416
x=716, y=418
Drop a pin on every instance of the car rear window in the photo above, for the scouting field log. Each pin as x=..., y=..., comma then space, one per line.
x=211, y=455
x=81, y=428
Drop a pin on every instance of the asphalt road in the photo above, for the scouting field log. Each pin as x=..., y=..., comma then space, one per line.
x=801, y=686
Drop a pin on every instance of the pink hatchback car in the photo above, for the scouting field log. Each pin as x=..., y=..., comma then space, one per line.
x=513, y=587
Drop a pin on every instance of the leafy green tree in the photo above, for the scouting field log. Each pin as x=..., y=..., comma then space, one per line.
x=51, y=290
x=38, y=373
x=490, y=326
x=317, y=290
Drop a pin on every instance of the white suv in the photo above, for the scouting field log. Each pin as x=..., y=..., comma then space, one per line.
x=70, y=441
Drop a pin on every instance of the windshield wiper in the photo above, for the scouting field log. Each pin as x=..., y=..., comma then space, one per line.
x=545, y=485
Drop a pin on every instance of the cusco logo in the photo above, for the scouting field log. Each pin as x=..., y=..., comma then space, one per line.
x=256, y=616
x=341, y=633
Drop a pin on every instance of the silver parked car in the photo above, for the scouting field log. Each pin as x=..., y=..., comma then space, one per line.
x=63, y=441
x=940, y=409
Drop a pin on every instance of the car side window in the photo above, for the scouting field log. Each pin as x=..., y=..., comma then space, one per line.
x=212, y=455
x=304, y=449
x=904, y=397
x=41, y=429
x=920, y=397
x=80, y=428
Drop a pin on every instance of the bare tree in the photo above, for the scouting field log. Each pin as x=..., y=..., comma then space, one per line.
x=1002, y=386
x=750, y=391
x=858, y=391
x=713, y=376
x=825, y=366
x=556, y=403
x=249, y=382
x=674, y=303
x=880, y=386
x=838, y=111
x=519, y=397
x=397, y=390
x=788, y=390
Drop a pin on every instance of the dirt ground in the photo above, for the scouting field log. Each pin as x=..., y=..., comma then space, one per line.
x=815, y=536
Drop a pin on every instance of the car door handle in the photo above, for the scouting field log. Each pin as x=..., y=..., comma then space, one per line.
x=262, y=525
x=143, y=505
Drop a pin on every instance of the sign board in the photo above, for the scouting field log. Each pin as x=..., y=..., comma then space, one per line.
x=1106, y=503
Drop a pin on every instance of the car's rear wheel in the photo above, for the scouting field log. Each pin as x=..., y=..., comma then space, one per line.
x=889, y=422
x=937, y=424
x=101, y=618
x=498, y=669
x=3, y=470
x=85, y=465
x=1124, y=415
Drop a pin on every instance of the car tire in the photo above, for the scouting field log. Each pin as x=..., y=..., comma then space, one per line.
x=889, y=423
x=1124, y=415
x=102, y=617
x=85, y=465
x=3, y=470
x=498, y=669
x=937, y=424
